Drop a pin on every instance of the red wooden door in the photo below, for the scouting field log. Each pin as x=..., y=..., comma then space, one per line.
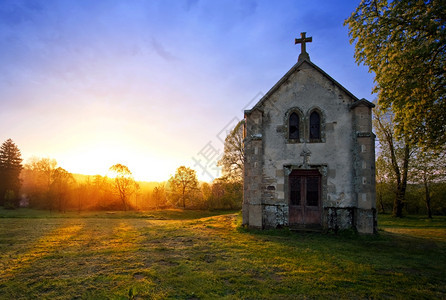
x=304, y=197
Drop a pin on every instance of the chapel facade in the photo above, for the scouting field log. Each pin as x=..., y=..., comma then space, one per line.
x=309, y=155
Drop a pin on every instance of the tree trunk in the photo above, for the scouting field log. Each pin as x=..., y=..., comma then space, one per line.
x=427, y=198
x=184, y=200
x=398, y=203
x=381, y=204
x=401, y=184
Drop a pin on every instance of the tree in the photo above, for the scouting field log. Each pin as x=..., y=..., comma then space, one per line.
x=233, y=159
x=184, y=183
x=38, y=179
x=404, y=44
x=226, y=194
x=395, y=153
x=427, y=168
x=62, y=183
x=383, y=178
x=159, y=196
x=10, y=168
x=124, y=183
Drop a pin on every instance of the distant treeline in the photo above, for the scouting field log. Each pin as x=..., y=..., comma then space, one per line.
x=42, y=184
x=415, y=202
x=46, y=186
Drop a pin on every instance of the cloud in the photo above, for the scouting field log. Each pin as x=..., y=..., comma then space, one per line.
x=161, y=51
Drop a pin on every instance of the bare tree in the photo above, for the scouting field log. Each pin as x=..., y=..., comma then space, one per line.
x=233, y=159
x=428, y=167
x=396, y=152
x=39, y=172
x=159, y=196
x=124, y=183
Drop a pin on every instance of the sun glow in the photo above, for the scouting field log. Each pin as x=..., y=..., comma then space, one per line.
x=98, y=160
x=95, y=157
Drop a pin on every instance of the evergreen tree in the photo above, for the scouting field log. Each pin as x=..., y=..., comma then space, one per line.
x=10, y=168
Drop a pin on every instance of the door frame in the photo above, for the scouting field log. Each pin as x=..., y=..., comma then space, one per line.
x=318, y=170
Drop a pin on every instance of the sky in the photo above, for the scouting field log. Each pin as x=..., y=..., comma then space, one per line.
x=154, y=84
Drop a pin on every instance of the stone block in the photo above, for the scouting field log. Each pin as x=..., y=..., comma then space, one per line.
x=255, y=216
x=366, y=221
x=245, y=214
x=364, y=201
x=280, y=173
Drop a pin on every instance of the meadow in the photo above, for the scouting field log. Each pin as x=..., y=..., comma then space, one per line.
x=207, y=255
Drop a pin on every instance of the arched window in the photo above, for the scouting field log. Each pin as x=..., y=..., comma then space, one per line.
x=315, y=126
x=293, y=127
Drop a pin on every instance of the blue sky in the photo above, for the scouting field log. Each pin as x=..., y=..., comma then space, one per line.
x=153, y=84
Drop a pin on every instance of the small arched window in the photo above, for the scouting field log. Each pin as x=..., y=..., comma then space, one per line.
x=315, y=126
x=293, y=127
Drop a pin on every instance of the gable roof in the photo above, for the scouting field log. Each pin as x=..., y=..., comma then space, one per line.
x=296, y=67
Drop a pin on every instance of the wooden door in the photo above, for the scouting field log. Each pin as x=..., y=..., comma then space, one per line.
x=304, y=198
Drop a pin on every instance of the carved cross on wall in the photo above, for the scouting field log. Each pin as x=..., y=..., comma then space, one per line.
x=306, y=153
x=303, y=40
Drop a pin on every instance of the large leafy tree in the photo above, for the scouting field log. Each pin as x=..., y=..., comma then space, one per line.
x=10, y=168
x=404, y=44
x=183, y=184
x=232, y=161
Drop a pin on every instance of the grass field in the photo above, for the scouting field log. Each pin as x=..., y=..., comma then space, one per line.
x=206, y=255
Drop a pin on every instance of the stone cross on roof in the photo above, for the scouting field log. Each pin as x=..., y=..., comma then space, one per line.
x=303, y=55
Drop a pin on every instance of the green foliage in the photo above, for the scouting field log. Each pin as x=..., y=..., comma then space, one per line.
x=10, y=199
x=225, y=194
x=416, y=199
x=404, y=44
x=183, y=186
x=10, y=168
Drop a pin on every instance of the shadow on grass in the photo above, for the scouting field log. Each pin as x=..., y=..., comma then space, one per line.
x=167, y=214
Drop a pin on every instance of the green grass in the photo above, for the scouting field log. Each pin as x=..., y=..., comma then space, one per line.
x=168, y=214
x=207, y=255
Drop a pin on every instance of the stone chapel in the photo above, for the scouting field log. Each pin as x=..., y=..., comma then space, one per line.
x=309, y=154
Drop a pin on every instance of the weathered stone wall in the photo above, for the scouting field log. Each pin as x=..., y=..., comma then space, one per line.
x=302, y=91
x=364, y=165
x=252, y=189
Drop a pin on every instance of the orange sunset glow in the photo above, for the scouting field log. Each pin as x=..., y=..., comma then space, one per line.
x=121, y=84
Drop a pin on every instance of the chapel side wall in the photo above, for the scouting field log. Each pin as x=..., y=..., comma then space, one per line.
x=253, y=150
x=279, y=152
x=364, y=165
